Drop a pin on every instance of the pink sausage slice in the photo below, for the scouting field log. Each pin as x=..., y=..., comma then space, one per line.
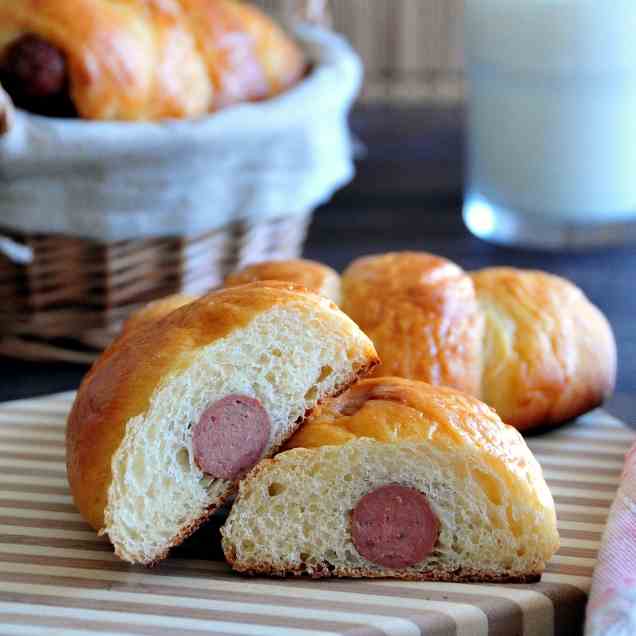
x=230, y=436
x=394, y=526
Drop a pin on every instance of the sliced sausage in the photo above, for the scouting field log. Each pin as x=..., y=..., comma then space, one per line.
x=35, y=73
x=394, y=526
x=230, y=436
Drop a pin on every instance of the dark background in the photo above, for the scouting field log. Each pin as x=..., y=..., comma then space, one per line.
x=407, y=195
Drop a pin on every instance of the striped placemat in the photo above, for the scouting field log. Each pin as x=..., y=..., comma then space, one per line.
x=58, y=577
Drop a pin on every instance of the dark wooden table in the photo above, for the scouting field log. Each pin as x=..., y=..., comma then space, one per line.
x=407, y=195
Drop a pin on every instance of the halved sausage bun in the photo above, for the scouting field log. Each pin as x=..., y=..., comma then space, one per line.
x=175, y=413
x=397, y=478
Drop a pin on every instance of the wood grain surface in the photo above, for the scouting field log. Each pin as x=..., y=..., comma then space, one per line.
x=58, y=577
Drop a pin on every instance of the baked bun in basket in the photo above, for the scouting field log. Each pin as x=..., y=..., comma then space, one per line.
x=396, y=478
x=171, y=416
x=141, y=60
x=316, y=277
x=528, y=343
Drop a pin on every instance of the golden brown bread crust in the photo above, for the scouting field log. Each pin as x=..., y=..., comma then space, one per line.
x=549, y=353
x=122, y=380
x=462, y=575
x=157, y=59
x=314, y=276
x=421, y=313
x=396, y=411
x=247, y=55
x=527, y=343
x=156, y=310
x=391, y=409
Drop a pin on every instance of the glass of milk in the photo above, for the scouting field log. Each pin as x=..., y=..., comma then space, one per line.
x=551, y=154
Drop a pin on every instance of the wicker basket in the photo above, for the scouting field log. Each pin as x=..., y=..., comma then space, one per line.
x=64, y=297
x=69, y=301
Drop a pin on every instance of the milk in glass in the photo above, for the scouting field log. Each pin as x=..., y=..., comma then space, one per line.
x=551, y=151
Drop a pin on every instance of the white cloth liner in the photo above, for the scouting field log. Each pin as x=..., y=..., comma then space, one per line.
x=113, y=181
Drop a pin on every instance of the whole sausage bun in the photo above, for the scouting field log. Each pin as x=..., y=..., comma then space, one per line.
x=397, y=478
x=171, y=416
x=528, y=343
x=313, y=276
x=421, y=313
x=156, y=310
x=141, y=60
x=549, y=353
x=316, y=277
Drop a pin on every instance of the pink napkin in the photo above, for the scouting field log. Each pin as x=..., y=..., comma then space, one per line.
x=611, y=610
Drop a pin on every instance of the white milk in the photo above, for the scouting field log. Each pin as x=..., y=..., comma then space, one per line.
x=552, y=107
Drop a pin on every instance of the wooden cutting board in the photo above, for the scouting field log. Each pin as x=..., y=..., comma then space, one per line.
x=58, y=577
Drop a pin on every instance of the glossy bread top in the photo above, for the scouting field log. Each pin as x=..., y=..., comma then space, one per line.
x=421, y=312
x=398, y=410
x=158, y=59
x=122, y=381
x=316, y=277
